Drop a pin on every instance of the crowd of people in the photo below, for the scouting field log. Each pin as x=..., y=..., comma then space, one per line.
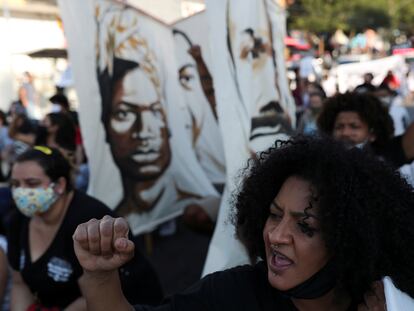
x=51, y=180
x=324, y=216
x=59, y=129
x=373, y=117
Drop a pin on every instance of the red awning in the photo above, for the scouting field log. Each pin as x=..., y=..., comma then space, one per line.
x=297, y=44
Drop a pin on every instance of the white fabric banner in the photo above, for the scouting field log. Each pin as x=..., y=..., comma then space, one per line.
x=254, y=107
x=396, y=299
x=350, y=76
x=132, y=112
x=189, y=34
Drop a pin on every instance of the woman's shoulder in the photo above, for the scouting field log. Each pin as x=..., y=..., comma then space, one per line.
x=84, y=207
x=232, y=289
x=240, y=278
x=244, y=270
x=256, y=269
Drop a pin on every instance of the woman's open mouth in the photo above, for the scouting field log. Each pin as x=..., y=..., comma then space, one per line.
x=279, y=262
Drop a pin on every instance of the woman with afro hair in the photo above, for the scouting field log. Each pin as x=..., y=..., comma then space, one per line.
x=362, y=120
x=322, y=223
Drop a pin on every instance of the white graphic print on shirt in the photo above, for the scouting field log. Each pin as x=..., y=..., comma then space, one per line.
x=59, y=270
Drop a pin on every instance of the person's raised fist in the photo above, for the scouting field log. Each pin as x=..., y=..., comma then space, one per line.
x=103, y=245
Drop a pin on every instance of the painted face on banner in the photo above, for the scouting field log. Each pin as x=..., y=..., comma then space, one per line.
x=186, y=76
x=252, y=54
x=268, y=123
x=137, y=128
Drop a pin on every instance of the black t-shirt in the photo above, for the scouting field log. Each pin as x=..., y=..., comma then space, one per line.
x=364, y=88
x=393, y=152
x=53, y=277
x=241, y=288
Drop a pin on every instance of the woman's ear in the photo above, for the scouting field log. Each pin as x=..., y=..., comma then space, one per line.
x=61, y=184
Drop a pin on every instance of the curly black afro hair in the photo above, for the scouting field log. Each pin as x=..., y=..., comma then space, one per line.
x=366, y=209
x=369, y=109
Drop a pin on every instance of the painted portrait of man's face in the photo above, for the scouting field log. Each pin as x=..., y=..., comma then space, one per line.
x=137, y=127
x=268, y=122
x=186, y=76
x=250, y=47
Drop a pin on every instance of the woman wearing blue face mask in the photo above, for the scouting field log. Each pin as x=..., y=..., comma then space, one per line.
x=45, y=269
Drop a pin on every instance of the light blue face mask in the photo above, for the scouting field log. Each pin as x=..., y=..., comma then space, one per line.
x=31, y=201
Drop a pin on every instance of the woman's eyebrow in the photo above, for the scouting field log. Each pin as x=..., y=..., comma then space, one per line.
x=303, y=215
x=277, y=206
x=294, y=213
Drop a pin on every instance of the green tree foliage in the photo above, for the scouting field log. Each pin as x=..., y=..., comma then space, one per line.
x=351, y=15
x=404, y=16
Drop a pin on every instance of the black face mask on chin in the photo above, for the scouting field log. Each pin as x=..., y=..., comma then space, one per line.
x=316, y=286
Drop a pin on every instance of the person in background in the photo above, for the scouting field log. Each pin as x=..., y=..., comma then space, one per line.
x=394, y=104
x=311, y=88
x=60, y=133
x=329, y=84
x=4, y=132
x=5, y=144
x=322, y=223
x=391, y=81
x=5, y=276
x=16, y=108
x=307, y=70
x=60, y=103
x=307, y=123
x=7, y=154
x=46, y=273
x=367, y=86
x=361, y=120
x=28, y=96
x=23, y=133
x=400, y=117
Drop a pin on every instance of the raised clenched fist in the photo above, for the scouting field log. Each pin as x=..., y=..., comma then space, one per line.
x=103, y=245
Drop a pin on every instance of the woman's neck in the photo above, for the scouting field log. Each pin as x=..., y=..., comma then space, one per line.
x=334, y=300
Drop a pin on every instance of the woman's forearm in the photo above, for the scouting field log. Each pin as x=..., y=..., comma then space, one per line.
x=4, y=273
x=102, y=291
x=78, y=305
x=21, y=296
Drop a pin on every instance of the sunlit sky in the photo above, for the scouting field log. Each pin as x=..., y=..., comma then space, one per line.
x=169, y=10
